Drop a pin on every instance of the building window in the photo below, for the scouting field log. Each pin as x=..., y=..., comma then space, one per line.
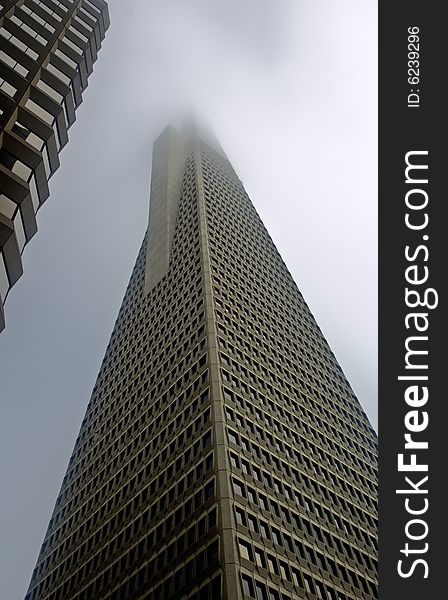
x=240, y=517
x=272, y=564
x=252, y=521
x=264, y=531
x=309, y=584
x=245, y=550
x=261, y=593
x=296, y=578
x=233, y=438
x=248, y=586
x=259, y=558
x=251, y=495
x=238, y=488
x=284, y=571
x=234, y=460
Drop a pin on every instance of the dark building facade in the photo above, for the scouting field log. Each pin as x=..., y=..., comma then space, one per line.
x=47, y=51
x=223, y=453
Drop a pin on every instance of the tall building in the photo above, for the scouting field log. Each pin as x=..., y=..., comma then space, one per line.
x=47, y=51
x=223, y=453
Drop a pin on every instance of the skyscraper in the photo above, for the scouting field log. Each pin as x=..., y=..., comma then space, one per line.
x=47, y=51
x=223, y=454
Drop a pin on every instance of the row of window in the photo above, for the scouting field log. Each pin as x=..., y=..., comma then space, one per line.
x=295, y=410
x=117, y=385
x=269, y=347
x=83, y=515
x=179, y=318
x=287, y=381
x=253, y=588
x=316, y=470
x=337, y=456
x=113, y=516
x=291, y=427
x=332, y=562
x=302, y=525
x=346, y=528
x=107, y=477
x=121, y=555
x=141, y=360
x=177, y=552
x=306, y=453
x=130, y=409
x=114, y=431
x=236, y=225
x=328, y=484
x=234, y=219
x=298, y=401
x=324, y=496
x=202, y=566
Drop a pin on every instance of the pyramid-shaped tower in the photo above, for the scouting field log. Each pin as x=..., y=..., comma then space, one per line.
x=223, y=453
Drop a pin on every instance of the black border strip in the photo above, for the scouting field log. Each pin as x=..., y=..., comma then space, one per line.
x=403, y=128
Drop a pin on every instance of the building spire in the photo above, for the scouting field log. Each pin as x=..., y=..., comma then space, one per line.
x=195, y=128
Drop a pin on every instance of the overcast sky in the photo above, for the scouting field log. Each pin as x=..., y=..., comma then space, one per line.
x=289, y=88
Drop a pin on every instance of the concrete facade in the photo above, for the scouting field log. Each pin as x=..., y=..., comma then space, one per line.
x=48, y=48
x=223, y=454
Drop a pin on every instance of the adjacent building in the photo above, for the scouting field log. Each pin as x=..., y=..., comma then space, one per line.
x=47, y=52
x=223, y=454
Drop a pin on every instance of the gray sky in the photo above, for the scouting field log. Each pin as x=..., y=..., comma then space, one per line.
x=289, y=89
